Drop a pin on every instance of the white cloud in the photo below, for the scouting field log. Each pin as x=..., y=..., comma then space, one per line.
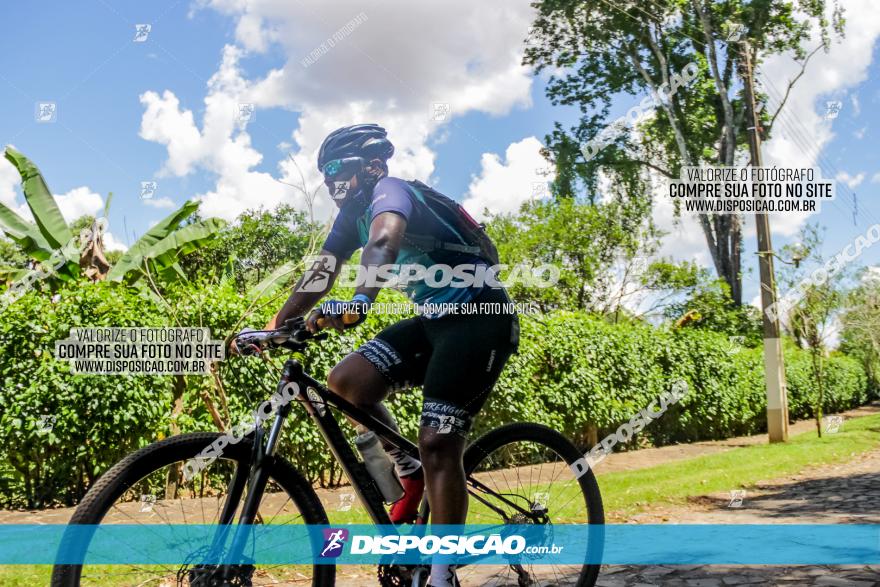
x=159, y=203
x=502, y=186
x=79, y=202
x=857, y=108
x=851, y=181
x=221, y=147
x=9, y=182
x=163, y=122
x=802, y=132
x=875, y=178
x=389, y=70
x=111, y=244
x=398, y=59
x=684, y=240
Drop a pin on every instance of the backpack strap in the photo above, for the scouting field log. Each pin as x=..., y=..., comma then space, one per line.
x=428, y=243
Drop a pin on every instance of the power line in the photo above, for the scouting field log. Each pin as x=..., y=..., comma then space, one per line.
x=731, y=47
x=799, y=131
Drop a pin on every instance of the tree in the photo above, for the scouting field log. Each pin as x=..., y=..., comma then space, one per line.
x=811, y=317
x=67, y=255
x=860, y=321
x=258, y=242
x=703, y=301
x=600, y=50
x=594, y=247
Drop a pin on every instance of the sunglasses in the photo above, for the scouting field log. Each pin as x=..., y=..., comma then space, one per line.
x=342, y=168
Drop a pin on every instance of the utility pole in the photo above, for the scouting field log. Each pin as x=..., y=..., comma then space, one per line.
x=774, y=367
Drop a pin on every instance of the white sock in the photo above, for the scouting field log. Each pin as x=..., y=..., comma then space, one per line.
x=403, y=463
x=442, y=576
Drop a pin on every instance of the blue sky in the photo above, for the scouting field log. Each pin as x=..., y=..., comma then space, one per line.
x=82, y=58
x=124, y=107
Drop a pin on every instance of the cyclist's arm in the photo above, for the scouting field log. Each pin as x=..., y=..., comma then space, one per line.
x=386, y=234
x=301, y=302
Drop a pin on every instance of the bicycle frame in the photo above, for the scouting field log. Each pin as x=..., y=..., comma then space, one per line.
x=316, y=399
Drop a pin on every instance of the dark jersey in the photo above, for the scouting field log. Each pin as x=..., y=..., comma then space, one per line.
x=440, y=285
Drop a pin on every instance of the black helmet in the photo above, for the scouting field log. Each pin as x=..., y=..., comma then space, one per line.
x=361, y=140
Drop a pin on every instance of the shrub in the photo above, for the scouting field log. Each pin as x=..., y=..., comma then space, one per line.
x=573, y=371
x=97, y=419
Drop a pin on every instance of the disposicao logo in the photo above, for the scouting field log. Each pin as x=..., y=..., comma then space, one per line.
x=470, y=545
x=334, y=540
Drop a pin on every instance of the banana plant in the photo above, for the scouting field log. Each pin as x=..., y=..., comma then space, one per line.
x=157, y=252
x=92, y=261
x=49, y=239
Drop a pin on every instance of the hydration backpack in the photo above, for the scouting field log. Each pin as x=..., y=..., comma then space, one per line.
x=472, y=237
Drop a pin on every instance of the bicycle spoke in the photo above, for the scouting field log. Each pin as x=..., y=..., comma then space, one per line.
x=537, y=478
x=190, y=501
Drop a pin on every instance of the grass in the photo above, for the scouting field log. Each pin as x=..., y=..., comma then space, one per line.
x=628, y=492
x=743, y=467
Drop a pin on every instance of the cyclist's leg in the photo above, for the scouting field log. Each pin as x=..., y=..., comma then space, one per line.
x=366, y=376
x=355, y=379
x=469, y=352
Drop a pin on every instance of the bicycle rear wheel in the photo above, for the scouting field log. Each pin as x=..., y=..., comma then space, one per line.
x=529, y=465
x=148, y=488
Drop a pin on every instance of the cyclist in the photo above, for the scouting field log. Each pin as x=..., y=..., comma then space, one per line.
x=456, y=356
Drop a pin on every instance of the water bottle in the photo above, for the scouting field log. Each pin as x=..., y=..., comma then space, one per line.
x=379, y=466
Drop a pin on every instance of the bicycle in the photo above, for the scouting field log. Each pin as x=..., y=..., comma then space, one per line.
x=249, y=478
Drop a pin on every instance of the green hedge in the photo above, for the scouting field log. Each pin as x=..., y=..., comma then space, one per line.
x=573, y=371
x=576, y=370
x=98, y=419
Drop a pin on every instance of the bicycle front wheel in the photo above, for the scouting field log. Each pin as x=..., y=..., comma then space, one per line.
x=522, y=475
x=148, y=488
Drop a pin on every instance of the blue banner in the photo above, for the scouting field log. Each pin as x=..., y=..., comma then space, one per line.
x=177, y=544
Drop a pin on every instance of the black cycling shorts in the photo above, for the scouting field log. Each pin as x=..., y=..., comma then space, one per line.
x=456, y=358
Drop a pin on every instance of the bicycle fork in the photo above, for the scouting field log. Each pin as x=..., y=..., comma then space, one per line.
x=255, y=478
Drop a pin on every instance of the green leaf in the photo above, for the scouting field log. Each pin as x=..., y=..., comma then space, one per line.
x=40, y=200
x=107, y=204
x=25, y=234
x=11, y=274
x=180, y=242
x=172, y=273
x=131, y=260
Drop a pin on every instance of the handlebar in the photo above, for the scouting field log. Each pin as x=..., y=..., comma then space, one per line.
x=346, y=319
x=292, y=336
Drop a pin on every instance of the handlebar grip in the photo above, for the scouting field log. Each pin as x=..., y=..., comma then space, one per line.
x=346, y=319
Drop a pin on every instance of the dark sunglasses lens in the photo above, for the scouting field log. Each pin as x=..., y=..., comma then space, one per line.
x=342, y=168
x=333, y=167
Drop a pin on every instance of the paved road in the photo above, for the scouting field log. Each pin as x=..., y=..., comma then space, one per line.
x=848, y=493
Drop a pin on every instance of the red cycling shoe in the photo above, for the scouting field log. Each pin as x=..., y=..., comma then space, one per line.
x=406, y=509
